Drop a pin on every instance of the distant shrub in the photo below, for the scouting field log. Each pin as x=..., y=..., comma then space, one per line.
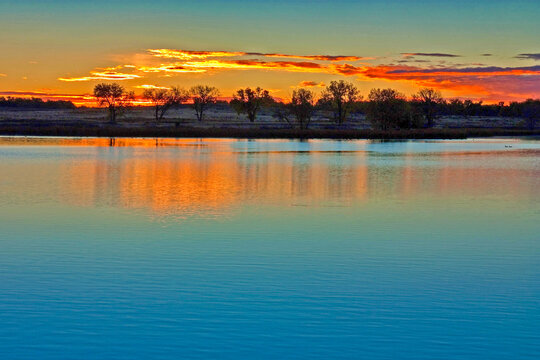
x=34, y=103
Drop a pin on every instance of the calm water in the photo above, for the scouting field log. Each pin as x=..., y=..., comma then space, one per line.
x=230, y=249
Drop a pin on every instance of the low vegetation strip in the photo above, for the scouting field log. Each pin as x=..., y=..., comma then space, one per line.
x=183, y=132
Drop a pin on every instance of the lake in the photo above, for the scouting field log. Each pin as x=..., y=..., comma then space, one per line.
x=265, y=249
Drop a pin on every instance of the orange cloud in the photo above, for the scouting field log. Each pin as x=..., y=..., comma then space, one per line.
x=462, y=79
x=409, y=71
x=190, y=55
x=311, y=84
x=348, y=70
x=301, y=66
x=206, y=65
x=491, y=82
x=169, y=68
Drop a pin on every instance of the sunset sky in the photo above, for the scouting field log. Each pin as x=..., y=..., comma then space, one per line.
x=488, y=50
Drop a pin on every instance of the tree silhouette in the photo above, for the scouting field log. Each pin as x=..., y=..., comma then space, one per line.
x=250, y=101
x=302, y=106
x=237, y=106
x=202, y=96
x=429, y=101
x=164, y=99
x=115, y=97
x=339, y=97
x=531, y=112
x=387, y=109
x=35, y=103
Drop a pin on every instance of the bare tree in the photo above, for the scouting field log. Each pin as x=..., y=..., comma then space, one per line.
x=340, y=97
x=115, y=97
x=429, y=101
x=250, y=101
x=302, y=106
x=202, y=96
x=164, y=99
x=281, y=112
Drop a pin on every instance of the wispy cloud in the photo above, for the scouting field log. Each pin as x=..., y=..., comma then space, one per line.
x=485, y=71
x=535, y=56
x=191, y=55
x=148, y=86
x=431, y=54
x=104, y=74
x=170, y=68
x=412, y=60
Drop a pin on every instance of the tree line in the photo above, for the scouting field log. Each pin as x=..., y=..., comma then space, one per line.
x=34, y=103
x=385, y=108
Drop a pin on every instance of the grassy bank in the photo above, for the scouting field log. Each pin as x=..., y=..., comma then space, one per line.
x=183, y=132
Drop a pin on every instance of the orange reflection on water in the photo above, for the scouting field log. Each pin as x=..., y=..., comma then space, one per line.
x=107, y=142
x=211, y=177
x=208, y=183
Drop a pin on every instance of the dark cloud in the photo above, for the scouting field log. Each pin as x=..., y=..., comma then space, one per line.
x=487, y=70
x=311, y=57
x=528, y=56
x=409, y=60
x=311, y=84
x=431, y=54
x=276, y=64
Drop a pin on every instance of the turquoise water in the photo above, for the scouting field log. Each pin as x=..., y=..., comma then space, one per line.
x=229, y=249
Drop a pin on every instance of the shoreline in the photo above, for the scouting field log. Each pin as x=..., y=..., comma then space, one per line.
x=251, y=133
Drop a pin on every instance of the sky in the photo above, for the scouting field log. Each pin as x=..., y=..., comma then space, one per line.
x=482, y=50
